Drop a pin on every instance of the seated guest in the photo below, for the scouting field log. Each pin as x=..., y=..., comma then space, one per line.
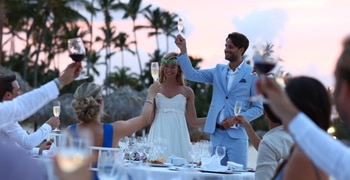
x=14, y=162
x=272, y=149
x=312, y=98
x=88, y=106
x=14, y=133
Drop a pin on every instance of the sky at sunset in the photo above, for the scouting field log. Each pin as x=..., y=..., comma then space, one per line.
x=309, y=31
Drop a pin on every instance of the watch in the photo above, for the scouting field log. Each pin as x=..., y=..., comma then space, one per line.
x=58, y=83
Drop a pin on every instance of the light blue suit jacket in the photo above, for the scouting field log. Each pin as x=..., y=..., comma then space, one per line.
x=243, y=87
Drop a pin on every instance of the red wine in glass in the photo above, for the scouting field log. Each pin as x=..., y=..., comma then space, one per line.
x=76, y=51
x=264, y=67
x=77, y=57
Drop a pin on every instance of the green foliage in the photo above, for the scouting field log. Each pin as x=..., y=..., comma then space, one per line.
x=342, y=132
x=260, y=124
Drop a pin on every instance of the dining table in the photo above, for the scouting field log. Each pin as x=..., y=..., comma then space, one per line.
x=170, y=172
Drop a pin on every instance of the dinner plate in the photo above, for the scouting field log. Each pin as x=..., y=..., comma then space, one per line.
x=160, y=165
x=215, y=171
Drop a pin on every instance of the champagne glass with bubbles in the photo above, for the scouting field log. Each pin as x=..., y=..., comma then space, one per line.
x=76, y=51
x=155, y=71
x=237, y=109
x=56, y=108
x=180, y=25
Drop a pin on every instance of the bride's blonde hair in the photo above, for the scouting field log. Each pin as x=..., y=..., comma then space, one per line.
x=170, y=58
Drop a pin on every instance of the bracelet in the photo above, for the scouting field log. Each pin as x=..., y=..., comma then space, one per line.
x=58, y=83
x=149, y=101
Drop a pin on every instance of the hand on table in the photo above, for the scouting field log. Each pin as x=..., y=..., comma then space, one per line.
x=44, y=146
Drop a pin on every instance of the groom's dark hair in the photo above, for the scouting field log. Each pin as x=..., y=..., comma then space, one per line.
x=239, y=40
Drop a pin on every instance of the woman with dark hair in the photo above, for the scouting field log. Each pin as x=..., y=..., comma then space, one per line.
x=312, y=98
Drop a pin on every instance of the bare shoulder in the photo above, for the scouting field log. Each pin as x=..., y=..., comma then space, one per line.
x=188, y=91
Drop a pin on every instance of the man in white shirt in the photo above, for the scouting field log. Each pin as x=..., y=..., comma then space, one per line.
x=329, y=154
x=14, y=133
x=14, y=163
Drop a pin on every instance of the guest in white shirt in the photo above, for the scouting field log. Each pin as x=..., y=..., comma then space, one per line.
x=14, y=163
x=273, y=148
x=14, y=133
x=327, y=153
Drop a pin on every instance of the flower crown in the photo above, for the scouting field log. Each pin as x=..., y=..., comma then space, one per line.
x=169, y=61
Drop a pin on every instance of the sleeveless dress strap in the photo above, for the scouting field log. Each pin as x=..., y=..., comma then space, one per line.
x=73, y=128
x=107, y=135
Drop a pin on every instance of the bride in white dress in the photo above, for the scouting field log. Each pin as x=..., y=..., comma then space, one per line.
x=174, y=104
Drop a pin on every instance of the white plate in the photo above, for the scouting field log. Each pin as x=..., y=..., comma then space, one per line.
x=160, y=165
x=215, y=171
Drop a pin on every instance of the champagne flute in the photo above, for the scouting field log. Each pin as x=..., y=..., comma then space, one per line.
x=56, y=108
x=155, y=71
x=237, y=109
x=74, y=150
x=180, y=25
x=76, y=51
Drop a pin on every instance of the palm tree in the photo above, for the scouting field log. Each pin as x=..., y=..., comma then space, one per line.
x=131, y=10
x=122, y=77
x=121, y=43
x=155, y=19
x=169, y=26
x=109, y=31
x=2, y=19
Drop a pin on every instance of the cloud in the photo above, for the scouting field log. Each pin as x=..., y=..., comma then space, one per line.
x=265, y=25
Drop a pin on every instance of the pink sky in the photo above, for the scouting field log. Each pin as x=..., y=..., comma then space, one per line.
x=310, y=31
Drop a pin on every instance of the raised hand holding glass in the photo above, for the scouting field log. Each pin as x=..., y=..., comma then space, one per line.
x=76, y=51
x=155, y=70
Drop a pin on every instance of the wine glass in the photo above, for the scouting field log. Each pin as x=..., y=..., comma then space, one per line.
x=74, y=151
x=180, y=25
x=264, y=61
x=76, y=51
x=193, y=152
x=220, y=152
x=155, y=70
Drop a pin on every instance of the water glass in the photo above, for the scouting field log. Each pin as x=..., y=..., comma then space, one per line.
x=109, y=165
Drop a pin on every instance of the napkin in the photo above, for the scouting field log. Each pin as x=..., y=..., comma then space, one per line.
x=212, y=164
x=234, y=166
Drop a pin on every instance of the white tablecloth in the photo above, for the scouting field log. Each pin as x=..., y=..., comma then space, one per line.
x=139, y=172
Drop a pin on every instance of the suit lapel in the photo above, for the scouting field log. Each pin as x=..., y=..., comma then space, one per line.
x=223, y=82
x=243, y=71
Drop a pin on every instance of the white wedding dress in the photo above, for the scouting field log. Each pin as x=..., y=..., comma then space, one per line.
x=170, y=127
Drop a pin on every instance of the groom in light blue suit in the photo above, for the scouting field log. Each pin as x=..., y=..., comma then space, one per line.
x=232, y=82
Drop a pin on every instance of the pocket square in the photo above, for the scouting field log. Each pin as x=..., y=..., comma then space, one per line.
x=242, y=81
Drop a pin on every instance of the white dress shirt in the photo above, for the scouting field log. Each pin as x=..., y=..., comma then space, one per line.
x=230, y=76
x=329, y=154
x=15, y=134
x=27, y=104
